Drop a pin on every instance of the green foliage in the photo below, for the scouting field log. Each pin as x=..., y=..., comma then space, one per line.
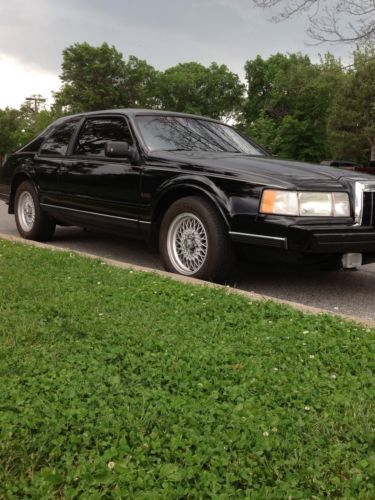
x=99, y=78
x=140, y=84
x=9, y=130
x=293, y=108
x=264, y=131
x=93, y=78
x=19, y=126
x=116, y=384
x=193, y=88
x=352, y=124
x=288, y=104
x=32, y=123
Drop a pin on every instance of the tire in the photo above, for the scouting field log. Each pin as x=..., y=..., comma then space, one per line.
x=194, y=240
x=32, y=223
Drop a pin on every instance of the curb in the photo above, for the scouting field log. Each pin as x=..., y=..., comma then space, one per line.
x=193, y=281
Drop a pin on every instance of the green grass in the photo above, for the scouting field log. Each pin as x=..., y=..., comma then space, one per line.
x=119, y=384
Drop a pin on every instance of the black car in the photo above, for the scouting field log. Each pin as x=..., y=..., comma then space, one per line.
x=351, y=165
x=196, y=186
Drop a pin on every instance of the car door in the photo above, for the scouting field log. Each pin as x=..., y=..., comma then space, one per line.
x=95, y=188
x=48, y=161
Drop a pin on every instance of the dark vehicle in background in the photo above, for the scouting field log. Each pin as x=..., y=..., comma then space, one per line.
x=351, y=165
x=195, y=186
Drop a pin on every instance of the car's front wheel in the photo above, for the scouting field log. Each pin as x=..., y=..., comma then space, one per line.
x=32, y=223
x=194, y=241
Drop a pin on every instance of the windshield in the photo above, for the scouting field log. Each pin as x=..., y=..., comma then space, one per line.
x=174, y=133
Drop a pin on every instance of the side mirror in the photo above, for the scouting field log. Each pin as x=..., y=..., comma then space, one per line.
x=121, y=149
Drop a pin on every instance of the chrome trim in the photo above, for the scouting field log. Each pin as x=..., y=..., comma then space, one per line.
x=94, y=213
x=260, y=236
x=360, y=188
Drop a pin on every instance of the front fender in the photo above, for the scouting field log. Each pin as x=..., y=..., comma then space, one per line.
x=185, y=185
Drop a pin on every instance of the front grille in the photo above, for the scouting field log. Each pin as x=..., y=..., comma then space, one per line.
x=368, y=214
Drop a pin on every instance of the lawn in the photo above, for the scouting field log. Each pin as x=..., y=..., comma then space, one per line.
x=120, y=384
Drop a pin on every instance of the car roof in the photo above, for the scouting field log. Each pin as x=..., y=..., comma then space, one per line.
x=132, y=112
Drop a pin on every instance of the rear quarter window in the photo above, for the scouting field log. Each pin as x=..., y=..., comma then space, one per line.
x=58, y=140
x=33, y=146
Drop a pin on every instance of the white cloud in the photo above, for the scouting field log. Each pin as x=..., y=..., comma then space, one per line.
x=18, y=81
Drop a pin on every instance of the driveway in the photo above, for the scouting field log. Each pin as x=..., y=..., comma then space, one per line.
x=347, y=292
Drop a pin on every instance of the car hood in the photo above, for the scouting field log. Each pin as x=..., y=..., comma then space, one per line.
x=276, y=171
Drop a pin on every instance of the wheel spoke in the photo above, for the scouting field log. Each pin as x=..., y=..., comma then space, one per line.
x=187, y=243
x=26, y=211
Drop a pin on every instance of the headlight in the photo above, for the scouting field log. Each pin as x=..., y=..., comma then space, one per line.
x=305, y=203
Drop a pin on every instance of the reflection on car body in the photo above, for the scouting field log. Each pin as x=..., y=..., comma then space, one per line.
x=351, y=165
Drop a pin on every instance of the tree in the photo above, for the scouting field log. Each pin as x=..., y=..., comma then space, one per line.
x=350, y=21
x=19, y=126
x=140, y=82
x=93, y=78
x=264, y=131
x=99, y=78
x=352, y=124
x=270, y=84
x=31, y=122
x=288, y=104
x=9, y=126
x=193, y=88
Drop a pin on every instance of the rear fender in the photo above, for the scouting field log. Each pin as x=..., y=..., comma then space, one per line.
x=18, y=178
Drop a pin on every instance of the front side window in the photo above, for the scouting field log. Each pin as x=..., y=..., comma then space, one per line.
x=97, y=131
x=174, y=133
x=57, y=143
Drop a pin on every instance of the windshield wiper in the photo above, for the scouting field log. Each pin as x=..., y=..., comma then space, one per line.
x=204, y=150
x=176, y=149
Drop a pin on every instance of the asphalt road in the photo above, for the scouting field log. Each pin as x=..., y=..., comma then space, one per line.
x=346, y=292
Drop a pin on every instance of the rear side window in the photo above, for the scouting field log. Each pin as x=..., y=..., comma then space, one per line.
x=57, y=143
x=97, y=131
x=34, y=146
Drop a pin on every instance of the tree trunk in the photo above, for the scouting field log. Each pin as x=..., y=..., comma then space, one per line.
x=372, y=152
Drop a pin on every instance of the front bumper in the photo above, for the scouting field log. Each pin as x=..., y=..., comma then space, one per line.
x=313, y=239
x=335, y=239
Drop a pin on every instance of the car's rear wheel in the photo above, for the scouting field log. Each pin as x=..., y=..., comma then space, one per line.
x=32, y=223
x=194, y=240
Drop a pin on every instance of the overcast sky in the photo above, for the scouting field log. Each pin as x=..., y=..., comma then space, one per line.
x=164, y=32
